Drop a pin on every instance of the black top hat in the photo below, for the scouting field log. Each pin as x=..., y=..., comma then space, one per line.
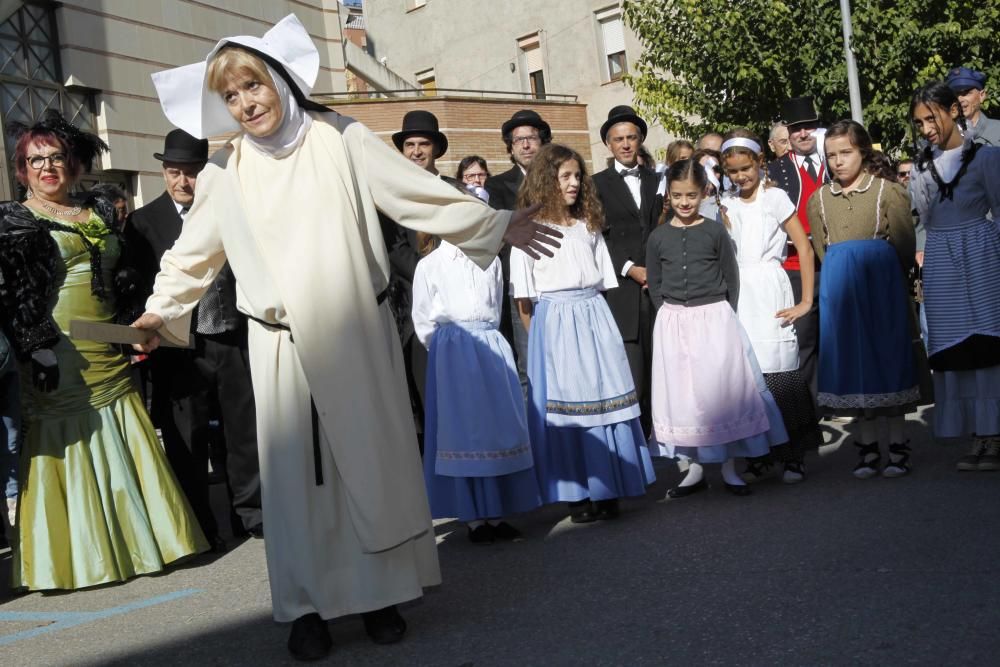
x=179, y=146
x=623, y=114
x=799, y=110
x=423, y=123
x=525, y=117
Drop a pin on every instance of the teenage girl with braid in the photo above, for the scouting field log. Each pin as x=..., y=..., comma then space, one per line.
x=955, y=188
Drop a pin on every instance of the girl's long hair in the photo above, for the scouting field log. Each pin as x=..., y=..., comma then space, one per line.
x=935, y=93
x=541, y=186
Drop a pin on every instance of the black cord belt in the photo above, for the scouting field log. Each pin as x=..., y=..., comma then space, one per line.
x=317, y=453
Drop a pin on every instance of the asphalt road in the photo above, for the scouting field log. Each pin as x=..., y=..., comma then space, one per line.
x=834, y=571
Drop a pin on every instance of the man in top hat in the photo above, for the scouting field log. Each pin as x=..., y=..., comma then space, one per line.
x=186, y=384
x=523, y=134
x=422, y=143
x=628, y=193
x=800, y=173
x=970, y=86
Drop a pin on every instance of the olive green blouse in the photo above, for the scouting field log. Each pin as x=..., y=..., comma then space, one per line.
x=879, y=209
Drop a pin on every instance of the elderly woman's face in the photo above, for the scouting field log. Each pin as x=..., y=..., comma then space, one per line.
x=48, y=175
x=253, y=103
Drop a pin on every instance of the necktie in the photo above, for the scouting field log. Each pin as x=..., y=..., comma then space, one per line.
x=810, y=167
x=184, y=210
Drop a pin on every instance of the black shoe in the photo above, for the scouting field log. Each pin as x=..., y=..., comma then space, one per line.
x=482, y=534
x=582, y=511
x=606, y=510
x=257, y=532
x=384, y=626
x=310, y=638
x=216, y=545
x=684, y=491
x=505, y=531
x=738, y=489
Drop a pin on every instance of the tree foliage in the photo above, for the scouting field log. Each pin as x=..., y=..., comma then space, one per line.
x=712, y=64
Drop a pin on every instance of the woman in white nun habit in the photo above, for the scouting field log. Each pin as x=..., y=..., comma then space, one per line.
x=291, y=203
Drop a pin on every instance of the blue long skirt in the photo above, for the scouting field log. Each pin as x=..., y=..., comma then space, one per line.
x=477, y=460
x=572, y=463
x=866, y=355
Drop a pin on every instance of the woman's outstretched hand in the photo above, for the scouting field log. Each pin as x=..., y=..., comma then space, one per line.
x=529, y=236
x=148, y=322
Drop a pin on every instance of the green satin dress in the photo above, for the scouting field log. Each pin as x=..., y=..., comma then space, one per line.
x=99, y=502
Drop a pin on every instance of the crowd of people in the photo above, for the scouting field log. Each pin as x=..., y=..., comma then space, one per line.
x=384, y=344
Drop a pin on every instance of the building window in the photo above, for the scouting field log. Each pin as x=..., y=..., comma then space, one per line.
x=31, y=77
x=613, y=44
x=534, y=65
x=427, y=81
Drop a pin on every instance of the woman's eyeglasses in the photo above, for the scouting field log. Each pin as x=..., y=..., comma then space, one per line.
x=38, y=161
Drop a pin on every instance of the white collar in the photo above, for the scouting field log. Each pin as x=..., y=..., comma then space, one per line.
x=190, y=105
x=619, y=167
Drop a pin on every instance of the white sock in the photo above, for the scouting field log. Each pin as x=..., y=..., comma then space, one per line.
x=475, y=524
x=869, y=430
x=695, y=473
x=683, y=464
x=729, y=474
x=897, y=430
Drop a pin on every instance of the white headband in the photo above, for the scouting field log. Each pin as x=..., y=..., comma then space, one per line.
x=741, y=142
x=190, y=105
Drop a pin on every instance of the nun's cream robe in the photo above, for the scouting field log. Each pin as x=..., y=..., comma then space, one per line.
x=302, y=237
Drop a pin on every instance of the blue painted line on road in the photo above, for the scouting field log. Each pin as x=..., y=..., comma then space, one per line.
x=61, y=620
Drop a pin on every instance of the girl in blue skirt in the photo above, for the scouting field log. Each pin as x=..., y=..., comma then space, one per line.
x=477, y=459
x=583, y=414
x=956, y=191
x=863, y=233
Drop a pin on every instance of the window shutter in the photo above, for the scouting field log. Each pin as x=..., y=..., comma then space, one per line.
x=614, y=36
x=533, y=59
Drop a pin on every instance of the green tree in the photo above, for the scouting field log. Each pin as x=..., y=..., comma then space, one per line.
x=711, y=64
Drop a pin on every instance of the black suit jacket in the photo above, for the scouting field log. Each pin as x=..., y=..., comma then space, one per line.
x=503, y=188
x=626, y=229
x=152, y=230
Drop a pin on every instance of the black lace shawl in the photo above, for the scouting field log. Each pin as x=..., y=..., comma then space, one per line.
x=29, y=264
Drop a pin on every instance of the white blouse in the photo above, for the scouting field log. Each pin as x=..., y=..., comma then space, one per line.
x=757, y=227
x=580, y=262
x=449, y=287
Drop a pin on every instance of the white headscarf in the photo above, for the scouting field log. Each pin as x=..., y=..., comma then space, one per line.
x=295, y=123
x=190, y=105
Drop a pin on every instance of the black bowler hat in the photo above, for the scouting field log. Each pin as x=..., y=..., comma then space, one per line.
x=525, y=117
x=181, y=147
x=422, y=123
x=623, y=114
x=799, y=110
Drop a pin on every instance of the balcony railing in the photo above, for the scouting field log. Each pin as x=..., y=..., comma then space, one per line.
x=444, y=92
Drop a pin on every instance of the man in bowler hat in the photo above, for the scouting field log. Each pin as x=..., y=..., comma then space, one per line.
x=800, y=173
x=186, y=384
x=970, y=86
x=523, y=135
x=628, y=193
x=422, y=143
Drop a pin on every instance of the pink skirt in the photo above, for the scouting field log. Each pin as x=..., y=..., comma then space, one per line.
x=708, y=392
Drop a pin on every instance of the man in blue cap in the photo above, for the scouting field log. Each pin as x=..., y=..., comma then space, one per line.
x=970, y=86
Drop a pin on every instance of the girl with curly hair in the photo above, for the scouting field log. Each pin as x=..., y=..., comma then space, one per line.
x=583, y=413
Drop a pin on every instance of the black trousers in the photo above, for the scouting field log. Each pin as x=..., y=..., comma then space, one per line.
x=807, y=333
x=186, y=386
x=640, y=361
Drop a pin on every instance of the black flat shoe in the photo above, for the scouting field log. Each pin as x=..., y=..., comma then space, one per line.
x=216, y=545
x=738, y=489
x=384, y=626
x=507, y=532
x=257, y=532
x=482, y=534
x=685, y=491
x=582, y=511
x=309, y=638
x=606, y=510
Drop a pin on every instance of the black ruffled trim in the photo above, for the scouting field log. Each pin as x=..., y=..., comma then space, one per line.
x=29, y=260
